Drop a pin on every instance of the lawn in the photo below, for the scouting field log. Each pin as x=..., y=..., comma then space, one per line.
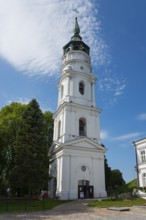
x=21, y=205
x=109, y=203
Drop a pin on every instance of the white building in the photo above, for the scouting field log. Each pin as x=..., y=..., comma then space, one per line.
x=140, y=152
x=77, y=167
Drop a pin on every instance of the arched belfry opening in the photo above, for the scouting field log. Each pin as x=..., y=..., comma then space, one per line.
x=82, y=127
x=82, y=87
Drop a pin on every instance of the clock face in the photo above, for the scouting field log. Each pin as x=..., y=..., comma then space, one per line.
x=83, y=168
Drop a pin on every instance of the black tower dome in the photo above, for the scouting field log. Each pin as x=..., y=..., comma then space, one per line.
x=76, y=42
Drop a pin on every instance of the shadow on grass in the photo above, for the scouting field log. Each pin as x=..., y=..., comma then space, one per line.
x=52, y=208
x=21, y=205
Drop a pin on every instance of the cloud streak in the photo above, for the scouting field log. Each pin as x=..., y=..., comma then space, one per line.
x=104, y=134
x=127, y=136
x=142, y=117
x=34, y=32
x=110, y=87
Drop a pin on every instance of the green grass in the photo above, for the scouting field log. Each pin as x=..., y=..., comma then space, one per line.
x=109, y=203
x=17, y=205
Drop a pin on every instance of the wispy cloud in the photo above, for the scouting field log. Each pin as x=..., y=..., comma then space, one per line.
x=110, y=87
x=104, y=134
x=34, y=32
x=126, y=137
x=19, y=100
x=142, y=117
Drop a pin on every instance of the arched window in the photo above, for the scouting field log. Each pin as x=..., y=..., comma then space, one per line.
x=82, y=87
x=143, y=156
x=144, y=179
x=82, y=126
x=62, y=91
x=59, y=129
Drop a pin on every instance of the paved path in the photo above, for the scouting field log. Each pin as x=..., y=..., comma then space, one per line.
x=78, y=210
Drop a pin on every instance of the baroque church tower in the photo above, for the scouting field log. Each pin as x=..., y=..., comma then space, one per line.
x=77, y=168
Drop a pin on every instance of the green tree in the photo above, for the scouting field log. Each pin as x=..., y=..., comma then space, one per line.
x=118, y=184
x=114, y=181
x=108, y=174
x=49, y=125
x=29, y=171
x=2, y=161
x=10, y=117
x=117, y=178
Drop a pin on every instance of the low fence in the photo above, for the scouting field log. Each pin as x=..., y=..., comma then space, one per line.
x=22, y=204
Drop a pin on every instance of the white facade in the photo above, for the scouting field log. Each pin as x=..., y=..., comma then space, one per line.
x=140, y=152
x=77, y=167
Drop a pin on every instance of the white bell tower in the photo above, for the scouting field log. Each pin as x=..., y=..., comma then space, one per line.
x=77, y=167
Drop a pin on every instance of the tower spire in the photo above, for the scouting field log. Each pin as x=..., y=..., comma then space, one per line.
x=76, y=28
x=76, y=31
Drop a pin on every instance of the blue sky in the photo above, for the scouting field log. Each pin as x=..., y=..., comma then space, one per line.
x=31, y=40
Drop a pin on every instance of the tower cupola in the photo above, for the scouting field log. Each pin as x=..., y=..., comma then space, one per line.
x=76, y=42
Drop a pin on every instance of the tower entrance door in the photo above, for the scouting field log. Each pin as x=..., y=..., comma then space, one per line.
x=85, y=191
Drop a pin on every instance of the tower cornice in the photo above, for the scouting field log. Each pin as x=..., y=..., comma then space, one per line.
x=79, y=106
